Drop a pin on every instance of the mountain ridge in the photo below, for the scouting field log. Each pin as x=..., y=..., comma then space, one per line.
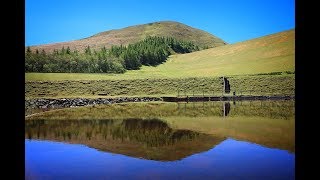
x=135, y=33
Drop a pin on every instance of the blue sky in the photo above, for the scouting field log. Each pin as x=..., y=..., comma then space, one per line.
x=50, y=21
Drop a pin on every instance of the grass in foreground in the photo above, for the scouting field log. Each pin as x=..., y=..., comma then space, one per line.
x=255, y=85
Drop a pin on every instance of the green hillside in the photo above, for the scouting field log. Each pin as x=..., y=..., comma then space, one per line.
x=260, y=66
x=272, y=53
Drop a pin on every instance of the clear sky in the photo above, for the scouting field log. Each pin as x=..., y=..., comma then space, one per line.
x=49, y=21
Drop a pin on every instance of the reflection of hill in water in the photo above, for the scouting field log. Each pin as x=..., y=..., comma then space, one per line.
x=268, y=123
x=149, y=139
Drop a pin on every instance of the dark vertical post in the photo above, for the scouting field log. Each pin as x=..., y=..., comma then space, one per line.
x=223, y=85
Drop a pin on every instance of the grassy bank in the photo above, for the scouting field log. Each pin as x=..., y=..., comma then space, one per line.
x=256, y=84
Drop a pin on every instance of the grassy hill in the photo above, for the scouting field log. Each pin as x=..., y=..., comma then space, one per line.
x=136, y=33
x=249, y=64
x=272, y=53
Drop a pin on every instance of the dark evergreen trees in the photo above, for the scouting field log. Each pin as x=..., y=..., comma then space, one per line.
x=150, y=52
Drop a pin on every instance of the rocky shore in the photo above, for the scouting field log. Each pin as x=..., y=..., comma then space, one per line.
x=75, y=102
x=33, y=106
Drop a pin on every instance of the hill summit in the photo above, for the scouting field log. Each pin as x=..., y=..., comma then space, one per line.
x=136, y=33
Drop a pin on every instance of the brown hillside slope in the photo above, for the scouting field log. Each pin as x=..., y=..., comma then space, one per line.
x=136, y=33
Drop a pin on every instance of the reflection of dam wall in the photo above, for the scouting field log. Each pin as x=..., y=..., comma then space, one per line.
x=225, y=98
x=150, y=139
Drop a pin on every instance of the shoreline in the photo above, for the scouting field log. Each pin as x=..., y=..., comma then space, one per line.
x=35, y=106
x=46, y=103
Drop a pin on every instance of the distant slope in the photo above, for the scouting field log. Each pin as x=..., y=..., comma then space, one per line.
x=136, y=33
x=266, y=54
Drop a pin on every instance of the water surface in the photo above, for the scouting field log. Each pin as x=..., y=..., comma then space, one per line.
x=209, y=140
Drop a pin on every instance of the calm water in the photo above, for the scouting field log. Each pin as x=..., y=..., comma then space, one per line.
x=220, y=140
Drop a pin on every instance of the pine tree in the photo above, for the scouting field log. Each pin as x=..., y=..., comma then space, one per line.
x=68, y=50
x=29, y=50
x=88, y=50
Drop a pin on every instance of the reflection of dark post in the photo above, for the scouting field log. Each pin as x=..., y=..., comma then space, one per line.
x=185, y=107
x=226, y=109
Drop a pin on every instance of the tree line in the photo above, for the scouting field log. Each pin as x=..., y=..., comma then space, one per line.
x=151, y=51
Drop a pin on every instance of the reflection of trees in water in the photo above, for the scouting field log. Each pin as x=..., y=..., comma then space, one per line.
x=151, y=132
x=132, y=137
